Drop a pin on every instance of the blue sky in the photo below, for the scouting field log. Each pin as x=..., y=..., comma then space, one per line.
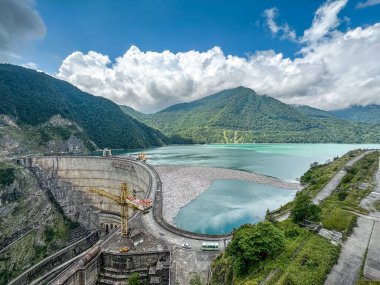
x=111, y=27
x=149, y=54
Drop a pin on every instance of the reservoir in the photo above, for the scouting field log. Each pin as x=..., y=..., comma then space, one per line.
x=284, y=161
x=227, y=204
x=230, y=203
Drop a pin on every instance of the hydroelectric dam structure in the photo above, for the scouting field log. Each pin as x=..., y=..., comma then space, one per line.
x=155, y=245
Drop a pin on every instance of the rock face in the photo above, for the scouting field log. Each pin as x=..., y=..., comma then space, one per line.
x=56, y=136
x=73, y=145
x=11, y=138
x=31, y=228
x=7, y=121
x=58, y=121
x=11, y=193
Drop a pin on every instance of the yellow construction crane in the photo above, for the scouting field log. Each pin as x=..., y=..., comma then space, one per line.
x=142, y=157
x=124, y=201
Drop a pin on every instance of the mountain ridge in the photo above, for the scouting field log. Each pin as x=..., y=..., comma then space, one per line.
x=32, y=98
x=254, y=118
x=363, y=114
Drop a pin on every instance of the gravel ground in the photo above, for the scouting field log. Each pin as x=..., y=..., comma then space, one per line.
x=181, y=184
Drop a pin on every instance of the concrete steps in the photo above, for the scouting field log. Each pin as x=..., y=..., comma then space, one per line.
x=103, y=281
x=114, y=276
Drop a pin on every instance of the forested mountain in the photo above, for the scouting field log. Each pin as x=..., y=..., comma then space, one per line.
x=241, y=115
x=367, y=114
x=313, y=112
x=31, y=98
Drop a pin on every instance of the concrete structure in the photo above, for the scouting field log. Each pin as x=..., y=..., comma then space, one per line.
x=363, y=245
x=155, y=241
x=69, y=178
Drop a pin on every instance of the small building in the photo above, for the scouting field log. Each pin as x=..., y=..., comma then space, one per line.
x=107, y=152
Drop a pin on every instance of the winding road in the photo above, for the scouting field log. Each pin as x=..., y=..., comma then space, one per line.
x=366, y=235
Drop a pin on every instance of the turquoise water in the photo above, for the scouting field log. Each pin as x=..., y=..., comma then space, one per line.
x=284, y=161
x=230, y=203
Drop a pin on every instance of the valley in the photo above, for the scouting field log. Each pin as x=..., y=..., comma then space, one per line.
x=219, y=169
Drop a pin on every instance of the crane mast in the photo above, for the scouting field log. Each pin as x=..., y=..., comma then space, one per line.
x=125, y=201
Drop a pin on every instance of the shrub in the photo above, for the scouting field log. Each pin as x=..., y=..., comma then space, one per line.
x=305, y=209
x=251, y=244
x=135, y=279
x=291, y=233
x=7, y=176
x=342, y=194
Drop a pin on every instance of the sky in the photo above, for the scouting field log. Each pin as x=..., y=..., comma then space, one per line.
x=150, y=54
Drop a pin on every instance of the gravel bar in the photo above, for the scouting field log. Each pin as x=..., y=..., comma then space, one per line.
x=181, y=184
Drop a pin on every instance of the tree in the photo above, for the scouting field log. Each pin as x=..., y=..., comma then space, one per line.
x=270, y=217
x=196, y=280
x=251, y=244
x=305, y=209
x=135, y=279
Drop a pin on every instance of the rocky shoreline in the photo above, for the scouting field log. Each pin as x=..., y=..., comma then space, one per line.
x=181, y=184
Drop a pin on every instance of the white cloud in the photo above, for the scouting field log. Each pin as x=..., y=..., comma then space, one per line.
x=367, y=3
x=19, y=23
x=270, y=16
x=325, y=20
x=333, y=70
x=30, y=65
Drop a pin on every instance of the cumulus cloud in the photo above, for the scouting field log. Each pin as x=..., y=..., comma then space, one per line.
x=332, y=70
x=325, y=20
x=19, y=23
x=367, y=3
x=285, y=31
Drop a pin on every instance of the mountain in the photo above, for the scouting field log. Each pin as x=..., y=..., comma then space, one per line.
x=241, y=115
x=366, y=114
x=313, y=112
x=32, y=98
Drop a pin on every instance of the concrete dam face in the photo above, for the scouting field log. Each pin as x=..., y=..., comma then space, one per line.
x=69, y=180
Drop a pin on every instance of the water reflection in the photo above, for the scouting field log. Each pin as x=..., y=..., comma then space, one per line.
x=228, y=204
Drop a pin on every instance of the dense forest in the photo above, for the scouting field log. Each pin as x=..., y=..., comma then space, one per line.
x=364, y=114
x=236, y=115
x=240, y=115
x=32, y=98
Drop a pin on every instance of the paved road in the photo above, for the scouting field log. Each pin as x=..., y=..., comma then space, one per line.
x=331, y=186
x=372, y=263
x=334, y=182
x=185, y=262
x=365, y=235
x=346, y=271
x=354, y=249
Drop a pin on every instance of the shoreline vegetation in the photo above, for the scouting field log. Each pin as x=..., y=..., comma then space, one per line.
x=307, y=258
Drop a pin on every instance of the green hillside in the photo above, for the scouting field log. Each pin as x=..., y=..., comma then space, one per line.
x=240, y=115
x=31, y=98
x=366, y=114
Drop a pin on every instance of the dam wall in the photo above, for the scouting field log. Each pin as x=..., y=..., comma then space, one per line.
x=68, y=179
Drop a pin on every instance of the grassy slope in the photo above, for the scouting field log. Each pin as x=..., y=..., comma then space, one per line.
x=338, y=210
x=308, y=257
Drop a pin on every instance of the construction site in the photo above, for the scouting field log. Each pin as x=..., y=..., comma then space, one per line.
x=118, y=204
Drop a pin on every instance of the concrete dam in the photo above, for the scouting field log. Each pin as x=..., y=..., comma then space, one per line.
x=75, y=175
x=154, y=245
